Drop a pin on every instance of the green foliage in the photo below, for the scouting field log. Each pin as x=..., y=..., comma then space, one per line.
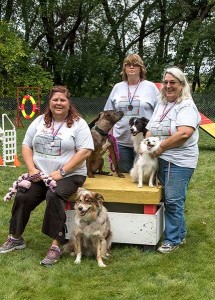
x=17, y=66
x=11, y=47
x=82, y=43
x=131, y=273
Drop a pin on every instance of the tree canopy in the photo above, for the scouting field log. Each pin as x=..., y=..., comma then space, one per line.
x=82, y=43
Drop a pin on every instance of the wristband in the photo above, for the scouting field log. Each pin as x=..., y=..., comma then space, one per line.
x=62, y=172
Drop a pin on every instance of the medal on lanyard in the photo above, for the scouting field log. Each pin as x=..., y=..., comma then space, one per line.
x=130, y=99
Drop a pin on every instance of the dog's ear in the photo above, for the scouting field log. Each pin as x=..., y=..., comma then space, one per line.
x=143, y=146
x=92, y=123
x=144, y=120
x=79, y=191
x=99, y=199
x=131, y=121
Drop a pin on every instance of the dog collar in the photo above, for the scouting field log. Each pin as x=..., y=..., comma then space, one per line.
x=100, y=131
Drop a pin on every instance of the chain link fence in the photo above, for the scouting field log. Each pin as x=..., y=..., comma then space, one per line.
x=90, y=108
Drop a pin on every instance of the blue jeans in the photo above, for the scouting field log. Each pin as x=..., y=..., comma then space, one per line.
x=174, y=180
x=126, y=158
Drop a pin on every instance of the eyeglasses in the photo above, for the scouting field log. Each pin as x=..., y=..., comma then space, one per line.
x=171, y=82
x=133, y=65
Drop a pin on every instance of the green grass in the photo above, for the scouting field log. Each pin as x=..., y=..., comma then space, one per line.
x=132, y=274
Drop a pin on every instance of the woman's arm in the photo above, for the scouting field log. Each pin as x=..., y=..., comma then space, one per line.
x=76, y=161
x=27, y=154
x=176, y=140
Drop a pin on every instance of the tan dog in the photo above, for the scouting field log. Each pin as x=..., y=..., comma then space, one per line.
x=100, y=129
x=92, y=234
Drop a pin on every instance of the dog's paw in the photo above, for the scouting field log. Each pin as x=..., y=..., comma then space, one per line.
x=110, y=174
x=91, y=176
x=77, y=261
x=151, y=185
x=120, y=175
x=101, y=264
x=140, y=186
x=106, y=256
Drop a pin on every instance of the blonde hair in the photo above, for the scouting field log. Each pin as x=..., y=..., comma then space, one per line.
x=180, y=76
x=133, y=59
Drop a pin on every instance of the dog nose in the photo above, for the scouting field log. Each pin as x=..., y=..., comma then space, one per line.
x=80, y=208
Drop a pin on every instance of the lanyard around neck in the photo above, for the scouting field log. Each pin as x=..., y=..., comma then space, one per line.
x=54, y=133
x=165, y=112
x=130, y=99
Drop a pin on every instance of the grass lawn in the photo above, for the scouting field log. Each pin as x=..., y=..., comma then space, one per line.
x=187, y=273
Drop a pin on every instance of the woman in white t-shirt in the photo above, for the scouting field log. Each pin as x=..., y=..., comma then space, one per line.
x=136, y=97
x=175, y=120
x=55, y=144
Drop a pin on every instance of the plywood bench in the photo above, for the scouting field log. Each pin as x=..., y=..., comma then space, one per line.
x=136, y=214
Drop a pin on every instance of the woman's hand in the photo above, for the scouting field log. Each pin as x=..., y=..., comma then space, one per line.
x=157, y=153
x=56, y=175
x=74, y=163
x=35, y=174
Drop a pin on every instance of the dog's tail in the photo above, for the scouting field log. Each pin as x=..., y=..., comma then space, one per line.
x=68, y=248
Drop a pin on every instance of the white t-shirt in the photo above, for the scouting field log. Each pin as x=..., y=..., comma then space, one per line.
x=48, y=154
x=143, y=100
x=164, y=122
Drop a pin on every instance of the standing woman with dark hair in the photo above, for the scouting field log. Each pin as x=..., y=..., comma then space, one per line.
x=175, y=120
x=136, y=97
x=56, y=144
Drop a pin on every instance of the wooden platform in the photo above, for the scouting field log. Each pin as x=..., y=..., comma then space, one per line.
x=122, y=190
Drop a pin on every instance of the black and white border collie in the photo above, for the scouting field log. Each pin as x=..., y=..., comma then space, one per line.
x=138, y=131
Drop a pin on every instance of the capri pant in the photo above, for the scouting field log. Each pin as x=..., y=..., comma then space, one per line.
x=54, y=218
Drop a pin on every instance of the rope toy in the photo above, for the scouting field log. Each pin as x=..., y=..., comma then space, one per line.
x=116, y=150
x=23, y=183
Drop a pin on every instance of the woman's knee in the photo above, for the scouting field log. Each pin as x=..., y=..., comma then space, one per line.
x=23, y=198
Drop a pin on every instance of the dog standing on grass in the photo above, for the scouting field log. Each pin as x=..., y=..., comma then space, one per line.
x=92, y=234
x=145, y=167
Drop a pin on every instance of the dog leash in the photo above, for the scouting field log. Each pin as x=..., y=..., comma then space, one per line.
x=116, y=150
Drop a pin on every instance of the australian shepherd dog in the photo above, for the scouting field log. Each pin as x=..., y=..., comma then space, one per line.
x=92, y=234
x=145, y=167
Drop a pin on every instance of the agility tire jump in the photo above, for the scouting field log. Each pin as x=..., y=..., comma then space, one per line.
x=34, y=106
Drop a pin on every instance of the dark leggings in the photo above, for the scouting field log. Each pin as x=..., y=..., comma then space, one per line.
x=54, y=217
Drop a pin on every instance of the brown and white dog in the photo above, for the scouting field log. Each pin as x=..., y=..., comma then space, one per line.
x=100, y=130
x=92, y=234
x=138, y=131
x=145, y=167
